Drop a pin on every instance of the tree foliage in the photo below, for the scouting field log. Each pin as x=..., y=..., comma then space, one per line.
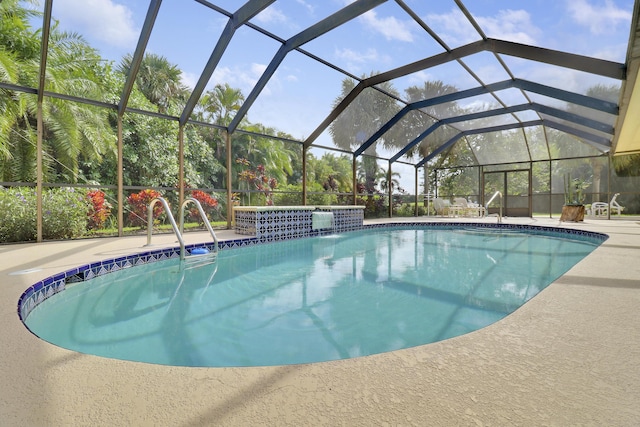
x=71, y=132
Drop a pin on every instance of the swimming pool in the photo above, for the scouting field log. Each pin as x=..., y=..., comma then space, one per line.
x=305, y=300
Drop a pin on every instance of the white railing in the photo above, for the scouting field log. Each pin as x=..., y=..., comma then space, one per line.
x=496, y=194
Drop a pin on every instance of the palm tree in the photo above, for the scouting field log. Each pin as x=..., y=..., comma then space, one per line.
x=220, y=102
x=362, y=118
x=216, y=106
x=18, y=46
x=70, y=131
x=272, y=153
x=158, y=79
x=426, y=117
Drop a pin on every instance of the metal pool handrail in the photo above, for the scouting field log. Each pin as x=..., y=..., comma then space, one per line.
x=178, y=230
x=173, y=223
x=496, y=194
x=203, y=215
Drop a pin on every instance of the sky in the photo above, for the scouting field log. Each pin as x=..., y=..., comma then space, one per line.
x=302, y=92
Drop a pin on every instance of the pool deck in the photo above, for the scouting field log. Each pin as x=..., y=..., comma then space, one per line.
x=570, y=356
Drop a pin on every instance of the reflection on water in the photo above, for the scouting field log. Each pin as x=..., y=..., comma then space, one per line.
x=307, y=300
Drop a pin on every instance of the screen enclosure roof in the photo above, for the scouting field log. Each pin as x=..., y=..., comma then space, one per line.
x=475, y=82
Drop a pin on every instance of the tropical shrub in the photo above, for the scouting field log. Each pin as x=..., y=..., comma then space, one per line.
x=99, y=211
x=258, y=178
x=64, y=214
x=208, y=203
x=17, y=214
x=291, y=195
x=138, y=207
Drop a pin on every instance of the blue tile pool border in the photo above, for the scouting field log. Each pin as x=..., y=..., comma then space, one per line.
x=44, y=289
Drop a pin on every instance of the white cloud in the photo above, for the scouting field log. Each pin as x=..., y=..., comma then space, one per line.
x=258, y=69
x=563, y=78
x=390, y=27
x=420, y=77
x=189, y=79
x=357, y=57
x=239, y=77
x=310, y=8
x=454, y=27
x=599, y=19
x=356, y=61
x=103, y=20
x=511, y=25
x=610, y=52
x=271, y=14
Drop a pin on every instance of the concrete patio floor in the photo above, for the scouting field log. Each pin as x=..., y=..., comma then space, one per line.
x=570, y=356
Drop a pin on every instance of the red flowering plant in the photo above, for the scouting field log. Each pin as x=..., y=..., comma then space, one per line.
x=259, y=179
x=139, y=203
x=207, y=202
x=99, y=209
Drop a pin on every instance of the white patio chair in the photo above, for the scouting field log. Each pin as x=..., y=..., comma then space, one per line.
x=441, y=206
x=601, y=209
x=614, y=205
x=469, y=209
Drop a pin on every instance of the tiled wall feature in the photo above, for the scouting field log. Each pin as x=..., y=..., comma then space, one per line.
x=280, y=223
x=246, y=221
x=274, y=224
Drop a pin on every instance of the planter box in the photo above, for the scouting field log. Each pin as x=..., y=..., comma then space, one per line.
x=574, y=213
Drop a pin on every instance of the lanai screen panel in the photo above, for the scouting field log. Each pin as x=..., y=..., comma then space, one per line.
x=527, y=115
x=436, y=140
x=381, y=39
x=241, y=68
x=537, y=143
x=502, y=119
x=586, y=112
x=597, y=29
x=433, y=82
x=563, y=145
x=597, y=130
x=446, y=19
x=512, y=96
x=362, y=118
x=499, y=147
x=410, y=127
x=292, y=101
x=463, y=106
x=73, y=63
x=486, y=67
x=186, y=49
x=461, y=155
x=285, y=19
x=566, y=79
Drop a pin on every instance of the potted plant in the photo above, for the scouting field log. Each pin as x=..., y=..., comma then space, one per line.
x=574, y=195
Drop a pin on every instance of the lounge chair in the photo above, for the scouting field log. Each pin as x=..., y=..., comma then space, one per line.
x=469, y=209
x=601, y=209
x=441, y=206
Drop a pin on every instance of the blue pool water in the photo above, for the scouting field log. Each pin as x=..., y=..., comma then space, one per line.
x=308, y=300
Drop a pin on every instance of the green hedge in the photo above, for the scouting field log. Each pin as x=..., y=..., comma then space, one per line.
x=65, y=213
